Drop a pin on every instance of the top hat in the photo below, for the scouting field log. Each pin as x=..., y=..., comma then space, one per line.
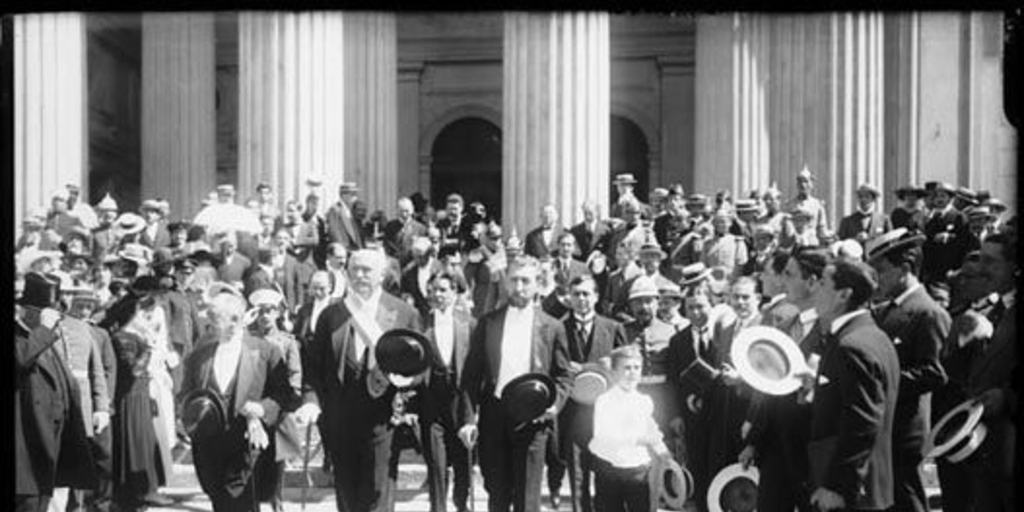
x=670, y=484
x=958, y=434
x=866, y=188
x=625, y=179
x=890, y=241
x=734, y=489
x=40, y=291
x=590, y=382
x=403, y=352
x=768, y=360
x=910, y=190
x=106, y=204
x=204, y=414
x=527, y=397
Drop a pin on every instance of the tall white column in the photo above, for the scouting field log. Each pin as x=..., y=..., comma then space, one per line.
x=50, y=108
x=732, y=70
x=555, y=116
x=291, y=107
x=409, y=76
x=371, y=104
x=179, y=150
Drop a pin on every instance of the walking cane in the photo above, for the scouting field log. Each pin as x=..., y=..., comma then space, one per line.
x=305, y=466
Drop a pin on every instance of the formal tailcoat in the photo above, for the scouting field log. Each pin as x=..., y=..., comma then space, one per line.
x=589, y=240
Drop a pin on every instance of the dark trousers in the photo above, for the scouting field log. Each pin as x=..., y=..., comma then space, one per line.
x=269, y=474
x=574, y=429
x=620, y=489
x=225, y=465
x=102, y=455
x=555, y=463
x=442, y=448
x=908, y=489
x=955, y=481
x=32, y=503
x=364, y=471
x=511, y=460
x=780, y=488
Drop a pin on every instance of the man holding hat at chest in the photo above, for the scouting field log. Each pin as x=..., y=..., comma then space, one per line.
x=517, y=377
x=918, y=326
x=345, y=381
x=946, y=236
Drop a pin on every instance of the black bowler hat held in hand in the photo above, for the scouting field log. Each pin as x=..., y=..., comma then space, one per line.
x=527, y=396
x=204, y=414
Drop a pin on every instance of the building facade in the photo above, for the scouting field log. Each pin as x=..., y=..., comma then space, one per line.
x=514, y=109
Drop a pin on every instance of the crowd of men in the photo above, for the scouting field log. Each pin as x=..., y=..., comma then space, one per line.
x=129, y=326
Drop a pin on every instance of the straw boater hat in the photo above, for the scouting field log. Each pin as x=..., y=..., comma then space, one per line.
x=995, y=205
x=734, y=489
x=151, y=205
x=958, y=434
x=896, y=239
x=624, y=179
x=348, y=187
x=866, y=188
x=942, y=186
x=967, y=195
x=694, y=273
x=670, y=485
x=980, y=212
x=591, y=381
x=768, y=360
x=138, y=253
x=746, y=206
x=129, y=223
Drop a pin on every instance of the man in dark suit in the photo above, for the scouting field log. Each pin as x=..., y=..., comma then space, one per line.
x=456, y=227
x=248, y=375
x=233, y=264
x=155, y=234
x=342, y=226
x=354, y=394
x=565, y=267
x=415, y=276
x=50, y=444
x=543, y=240
x=854, y=396
x=591, y=234
x=868, y=221
x=918, y=326
x=449, y=330
x=591, y=337
x=991, y=381
x=508, y=342
x=946, y=235
x=400, y=232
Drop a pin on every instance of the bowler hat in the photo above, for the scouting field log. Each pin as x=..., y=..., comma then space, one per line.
x=204, y=414
x=403, y=352
x=734, y=489
x=40, y=291
x=896, y=239
x=527, y=396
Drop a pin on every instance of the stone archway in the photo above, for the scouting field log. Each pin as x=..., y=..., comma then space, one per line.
x=465, y=157
x=630, y=153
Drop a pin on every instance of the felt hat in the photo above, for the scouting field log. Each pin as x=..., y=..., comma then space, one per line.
x=527, y=396
x=204, y=414
x=694, y=273
x=138, y=253
x=995, y=205
x=590, y=382
x=942, y=186
x=768, y=360
x=911, y=190
x=625, y=179
x=40, y=291
x=734, y=489
x=106, y=204
x=958, y=434
x=893, y=240
x=643, y=286
x=866, y=188
x=670, y=485
x=263, y=186
x=403, y=352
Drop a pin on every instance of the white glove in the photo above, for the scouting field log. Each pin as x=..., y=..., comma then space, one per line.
x=49, y=317
x=256, y=435
x=100, y=421
x=468, y=435
x=173, y=359
x=307, y=413
x=253, y=410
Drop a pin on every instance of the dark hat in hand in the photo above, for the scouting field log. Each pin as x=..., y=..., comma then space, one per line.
x=204, y=414
x=403, y=352
x=41, y=291
x=526, y=397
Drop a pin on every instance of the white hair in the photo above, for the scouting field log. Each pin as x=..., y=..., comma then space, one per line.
x=228, y=305
x=372, y=257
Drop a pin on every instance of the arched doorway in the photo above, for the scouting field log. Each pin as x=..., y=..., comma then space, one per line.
x=629, y=151
x=466, y=158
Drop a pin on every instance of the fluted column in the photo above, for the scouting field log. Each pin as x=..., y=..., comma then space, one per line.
x=179, y=147
x=50, y=115
x=291, y=107
x=371, y=99
x=409, y=76
x=732, y=71
x=556, y=115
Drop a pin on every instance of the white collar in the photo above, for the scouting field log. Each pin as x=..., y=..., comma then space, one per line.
x=234, y=343
x=845, y=318
x=906, y=293
x=445, y=313
x=367, y=304
x=808, y=315
x=869, y=211
x=584, y=321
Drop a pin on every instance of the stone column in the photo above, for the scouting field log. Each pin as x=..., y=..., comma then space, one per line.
x=371, y=100
x=50, y=108
x=179, y=150
x=677, y=117
x=555, y=115
x=732, y=69
x=291, y=107
x=902, y=101
x=409, y=75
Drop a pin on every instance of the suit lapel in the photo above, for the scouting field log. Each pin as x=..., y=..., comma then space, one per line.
x=246, y=369
x=536, y=342
x=461, y=341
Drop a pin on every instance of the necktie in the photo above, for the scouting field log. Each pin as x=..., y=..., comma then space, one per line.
x=582, y=339
x=997, y=312
x=705, y=346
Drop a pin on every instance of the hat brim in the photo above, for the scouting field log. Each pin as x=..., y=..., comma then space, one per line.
x=403, y=352
x=671, y=485
x=702, y=276
x=962, y=420
x=773, y=342
x=589, y=384
x=203, y=414
x=508, y=397
x=916, y=239
x=726, y=476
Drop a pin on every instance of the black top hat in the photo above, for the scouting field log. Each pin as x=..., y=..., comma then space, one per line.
x=41, y=291
x=204, y=414
x=527, y=396
x=403, y=351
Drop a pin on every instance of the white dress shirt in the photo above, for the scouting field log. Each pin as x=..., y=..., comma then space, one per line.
x=318, y=307
x=516, y=341
x=225, y=360
x=838, y=323
x=422, y=276
x=807, y=318
x=444, y=333
x=623, y=428
x=367, y=310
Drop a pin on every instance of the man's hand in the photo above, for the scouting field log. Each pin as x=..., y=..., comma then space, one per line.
x=805, y=394
x=307, y=413
x=746, y=457
x=575, y=367
x=745, y=429
x=100, y=421
x=49, y=317
x=468, y=435
x=256, y=435
x=549, y=414
x=827, y=500
x=992, y=400
x=730, y=376
x=253, y=410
